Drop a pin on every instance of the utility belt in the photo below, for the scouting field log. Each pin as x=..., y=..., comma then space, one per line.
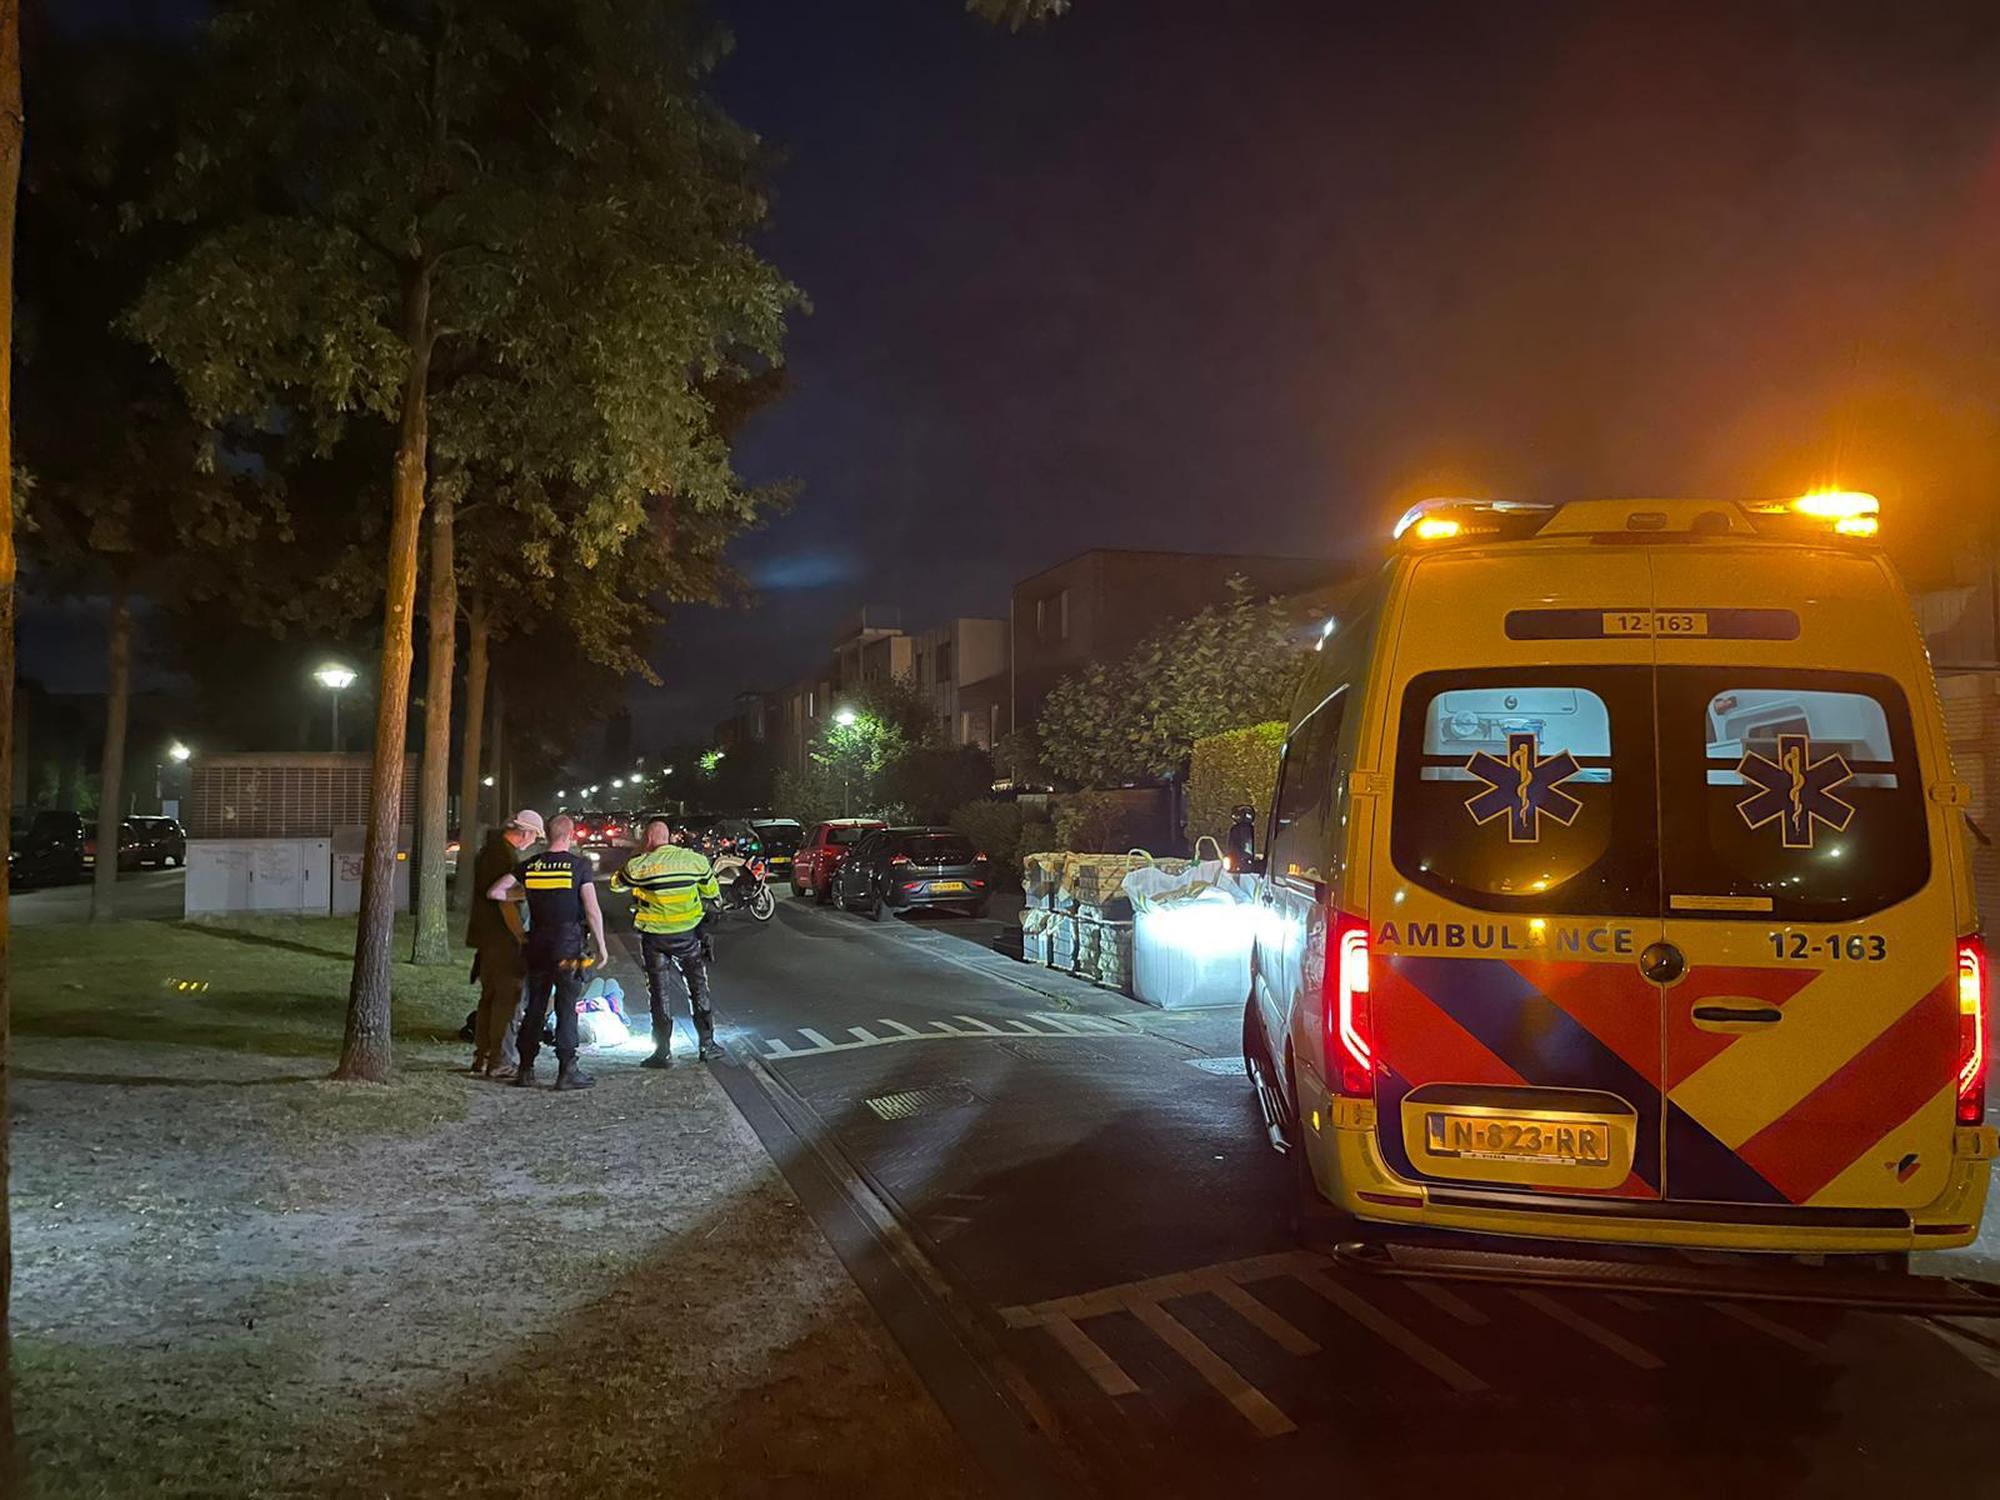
x=549, y=946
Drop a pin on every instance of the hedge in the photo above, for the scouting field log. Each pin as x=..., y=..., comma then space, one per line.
x=1231, y=768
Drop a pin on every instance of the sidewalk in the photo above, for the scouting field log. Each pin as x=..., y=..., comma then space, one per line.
x=234, y=1279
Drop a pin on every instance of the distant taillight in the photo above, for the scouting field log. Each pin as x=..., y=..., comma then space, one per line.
x=1349, y=1023
x=899, y=859
x=1971, y=1030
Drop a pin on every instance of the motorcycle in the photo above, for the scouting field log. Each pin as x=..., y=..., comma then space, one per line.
x=744, y=886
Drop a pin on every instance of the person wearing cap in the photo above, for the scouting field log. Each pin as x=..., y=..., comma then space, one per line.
x=671, y=885
x=558, y=885
x=496, y=961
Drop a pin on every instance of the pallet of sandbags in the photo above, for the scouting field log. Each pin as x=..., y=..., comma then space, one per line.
x=1113, y=957
x=1037, y=936
x=1042, y=879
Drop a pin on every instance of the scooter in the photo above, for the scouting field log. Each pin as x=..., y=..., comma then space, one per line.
x=744, y=888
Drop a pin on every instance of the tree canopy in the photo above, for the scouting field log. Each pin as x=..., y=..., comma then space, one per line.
x=1231, y=665
x=517, y=230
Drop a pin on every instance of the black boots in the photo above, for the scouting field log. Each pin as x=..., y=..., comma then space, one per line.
x=662, y=1057
x=570, y=1076
x=711, y=1050
x=524, y=1075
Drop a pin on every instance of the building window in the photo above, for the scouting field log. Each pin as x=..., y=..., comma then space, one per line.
x=1041, y=619
x=943, y=662
x=812, y=710
x=1062, y=614
x=965, y=726
x=992, y=725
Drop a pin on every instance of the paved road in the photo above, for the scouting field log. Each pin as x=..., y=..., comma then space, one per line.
x=146, y=895
x=1080, y=1188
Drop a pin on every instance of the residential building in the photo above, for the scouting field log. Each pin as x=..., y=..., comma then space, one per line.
x=870, y=645
x=952, y=658
x=1098, y=605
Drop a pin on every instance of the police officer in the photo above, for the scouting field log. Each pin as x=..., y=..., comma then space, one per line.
x=669, y=882
x=502, y=999
x=561, y=900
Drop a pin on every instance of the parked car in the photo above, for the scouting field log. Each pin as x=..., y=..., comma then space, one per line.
x=781, y=838
x=820, y=854
x=903, y=869
x=56, y=847
x=152, y=841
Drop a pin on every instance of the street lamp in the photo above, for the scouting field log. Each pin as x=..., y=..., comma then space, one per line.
x=845, y=717
x=486, y=781
x=179, y=753
x=618, y=781
x=336, y=679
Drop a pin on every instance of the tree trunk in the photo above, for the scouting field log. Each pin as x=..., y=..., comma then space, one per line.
x=10, y=173
x=117, y=706
x=496, y=742
x=433, y=945
x=471, y=822
x=365, y=1053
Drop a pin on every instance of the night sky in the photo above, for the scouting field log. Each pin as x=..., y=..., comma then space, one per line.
x=1250, y=275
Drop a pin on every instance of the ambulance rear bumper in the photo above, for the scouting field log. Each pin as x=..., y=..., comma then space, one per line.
x=1350, y=1171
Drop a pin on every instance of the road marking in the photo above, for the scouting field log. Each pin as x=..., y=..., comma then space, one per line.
x=1142, y=1299
x=1628, y=1302
x=1770, y=1327
x=1593, y=1330
x=1043, y=1025
x=1255, y=1406
x=1386, y=1328
x=1260, y=1315
x=1448, y=1301
x=1098, y=1365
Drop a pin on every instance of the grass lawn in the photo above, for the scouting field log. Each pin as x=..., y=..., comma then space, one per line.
x=234, y=1277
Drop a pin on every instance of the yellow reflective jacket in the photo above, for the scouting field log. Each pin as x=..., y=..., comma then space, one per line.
x=668, y=885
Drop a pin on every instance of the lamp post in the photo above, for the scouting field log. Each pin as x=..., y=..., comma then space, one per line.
x=336, y=679
x=180, y=755
x=845, y=718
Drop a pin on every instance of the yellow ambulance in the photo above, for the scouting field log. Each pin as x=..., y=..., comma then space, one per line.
x=1617, y=890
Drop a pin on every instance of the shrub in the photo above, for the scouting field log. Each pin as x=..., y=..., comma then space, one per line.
x=1238, y=766
x=996, y=828
x=1091, y=823
x=1038, y=836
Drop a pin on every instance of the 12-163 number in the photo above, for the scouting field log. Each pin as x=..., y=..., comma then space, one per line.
x=1855, y=946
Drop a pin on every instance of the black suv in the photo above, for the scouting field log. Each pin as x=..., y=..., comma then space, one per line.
x=901, y=869
x=56, y=847
x=152, y=841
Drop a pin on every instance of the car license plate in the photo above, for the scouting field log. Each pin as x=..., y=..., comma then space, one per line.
x=947, y=885
x=1511, y=1138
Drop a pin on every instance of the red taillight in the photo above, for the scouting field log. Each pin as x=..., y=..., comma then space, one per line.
x=90, y=846
x=899, y=859
x=1350, y=1042
x=979, y=858
x=1971, y=1030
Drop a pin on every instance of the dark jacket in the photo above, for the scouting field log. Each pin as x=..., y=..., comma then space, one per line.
x=487, y=927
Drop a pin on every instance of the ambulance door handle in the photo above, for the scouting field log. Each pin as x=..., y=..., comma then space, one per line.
x=1736, y=1016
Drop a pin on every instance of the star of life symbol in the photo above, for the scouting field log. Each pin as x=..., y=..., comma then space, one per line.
x=1522, y=788
x=1795, y=790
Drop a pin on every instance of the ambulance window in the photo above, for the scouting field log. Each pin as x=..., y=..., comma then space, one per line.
x=1808, y=796
x=1305, y=784
x=1529, y=790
